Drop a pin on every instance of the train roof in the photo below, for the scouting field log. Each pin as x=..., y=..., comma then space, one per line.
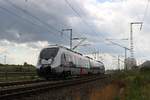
x=64, y=48
x=51, y=46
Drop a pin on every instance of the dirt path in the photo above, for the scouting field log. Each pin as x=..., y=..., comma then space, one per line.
x=112, y=91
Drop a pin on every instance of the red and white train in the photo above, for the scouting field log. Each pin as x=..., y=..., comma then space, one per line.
x=58, y=61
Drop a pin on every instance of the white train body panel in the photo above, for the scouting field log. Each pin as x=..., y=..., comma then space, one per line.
x=60, y=59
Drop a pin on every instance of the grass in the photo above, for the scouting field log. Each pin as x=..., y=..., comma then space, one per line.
x=137, y=84
x=17, y=68
x=19, y=78
x=17, y=72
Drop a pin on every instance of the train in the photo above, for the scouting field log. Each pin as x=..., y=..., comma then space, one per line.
x=58, y=61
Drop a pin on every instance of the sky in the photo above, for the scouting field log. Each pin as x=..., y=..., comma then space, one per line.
x=27, y=26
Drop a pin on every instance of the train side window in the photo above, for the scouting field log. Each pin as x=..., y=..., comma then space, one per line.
x=63, y=59
x=87, y=64
x=76, y=61
x=70, y=58
x=67, y=58
x=71, y=61
x=80, y=62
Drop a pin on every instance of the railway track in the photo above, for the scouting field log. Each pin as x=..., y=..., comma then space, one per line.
x=34, y=88
x=15, y=83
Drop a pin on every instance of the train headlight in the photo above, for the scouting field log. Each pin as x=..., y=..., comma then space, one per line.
x=43, y=61
x=46, y=62
x=49, y=61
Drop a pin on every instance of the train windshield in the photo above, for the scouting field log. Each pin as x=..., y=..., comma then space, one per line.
x=48, y=53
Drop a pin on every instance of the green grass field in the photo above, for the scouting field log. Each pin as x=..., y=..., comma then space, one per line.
x=137, y=84
x=17, y=72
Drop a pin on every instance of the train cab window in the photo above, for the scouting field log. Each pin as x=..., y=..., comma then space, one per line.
x=48, y=53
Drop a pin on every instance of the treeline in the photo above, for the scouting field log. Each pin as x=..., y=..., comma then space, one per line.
x=17, y=68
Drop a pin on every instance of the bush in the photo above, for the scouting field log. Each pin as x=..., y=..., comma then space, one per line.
x=145, y=69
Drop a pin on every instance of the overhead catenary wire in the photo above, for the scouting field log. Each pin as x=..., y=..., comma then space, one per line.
x=73, y=9
x=41, y=21
x=83, y=20
x=78, y=15
x=146, y=10
x=14, y=14
x=63, y=24
x=33, y=16
x=19, y=16
x=145, y=13
x=49, y=27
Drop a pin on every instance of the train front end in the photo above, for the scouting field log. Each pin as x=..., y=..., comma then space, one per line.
x=45, y=62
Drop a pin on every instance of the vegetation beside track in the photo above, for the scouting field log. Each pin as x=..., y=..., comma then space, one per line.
x=136, y=84
x=17, y=72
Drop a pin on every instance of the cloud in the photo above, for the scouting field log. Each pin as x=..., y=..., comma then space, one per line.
x=20, y=53
x=2, y=50
x=34, y=23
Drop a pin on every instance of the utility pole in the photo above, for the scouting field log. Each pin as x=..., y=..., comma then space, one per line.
x=125, y=62
x=131, y=38
x=79, y=44
x=6, y=68
x=125, y=48
x=5, y=59
x=118, y=62
x=94, y=54
x=70, y=36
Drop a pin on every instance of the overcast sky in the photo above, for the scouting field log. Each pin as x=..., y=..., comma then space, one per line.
x=26, y=26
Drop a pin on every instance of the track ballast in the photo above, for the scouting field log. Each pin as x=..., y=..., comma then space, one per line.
x=36, y=87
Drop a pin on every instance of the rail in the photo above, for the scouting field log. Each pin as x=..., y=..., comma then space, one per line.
x=43, y=86
x=15, y=83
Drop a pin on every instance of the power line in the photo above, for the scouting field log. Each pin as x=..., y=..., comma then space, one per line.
x=8, y=11
x=78, y=15
x=48, y=26
x=75, y=11
x=26, y=12
x=24, y=19
x=69, y=4
x=62, y=24
x=39, y=20
x=33, y=16
x=19, y=16
x=146, y=10
x=83, y=20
